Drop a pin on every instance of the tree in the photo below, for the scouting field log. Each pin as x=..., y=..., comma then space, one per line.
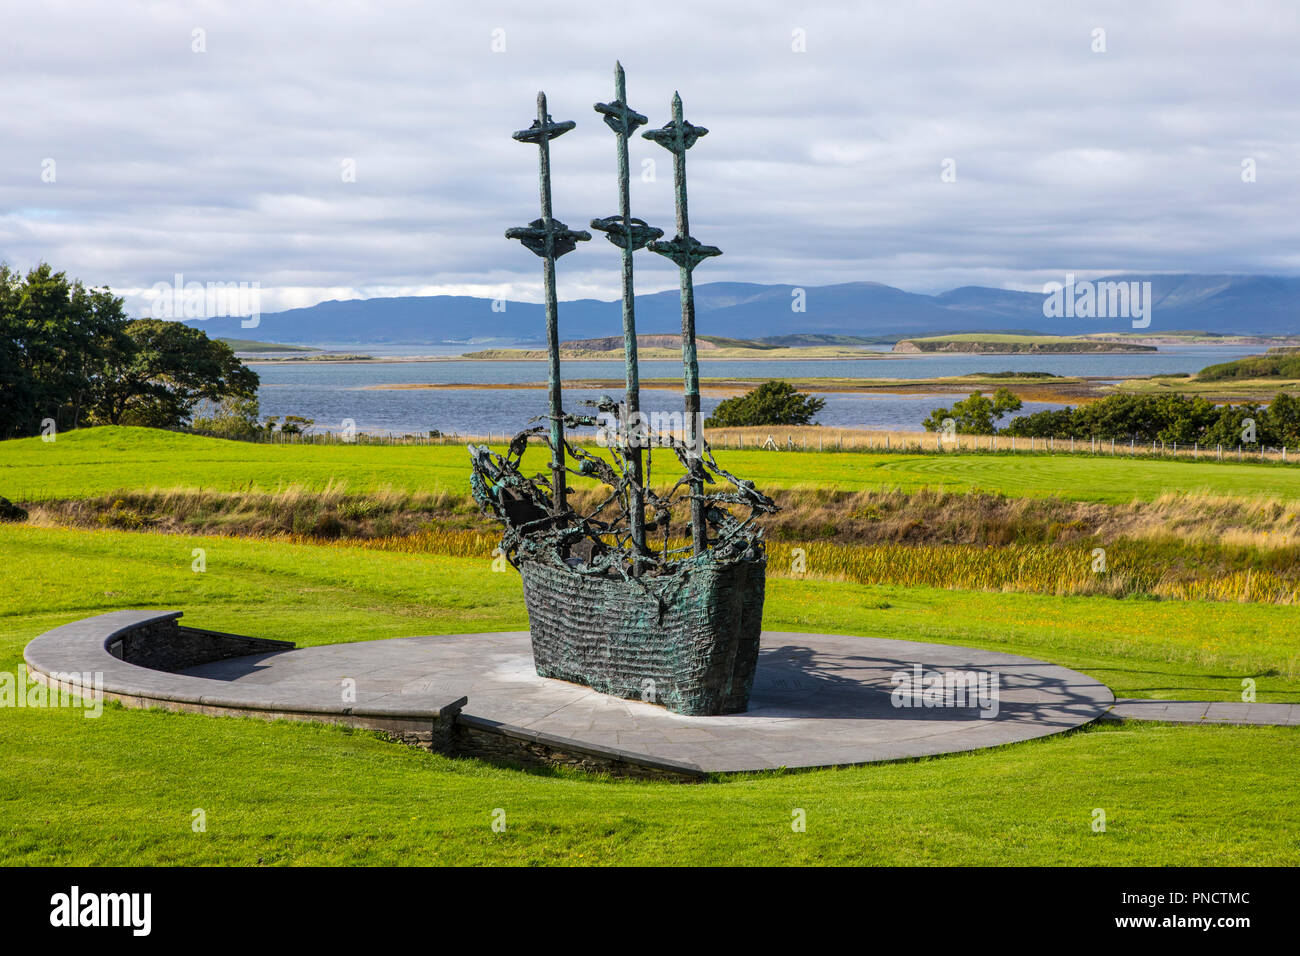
x=1052, y=423
x=975, y=415
x=1169, y=418
x=54, y=336
x=296, y=425
x=233, y=418
x=70, y=354
x=1282, y=420
x=772, y=403
x=1238, y=425
x=163, y=371
x=1174, y=418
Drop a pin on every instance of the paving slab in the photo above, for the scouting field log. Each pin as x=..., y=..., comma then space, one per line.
x=1206, y=712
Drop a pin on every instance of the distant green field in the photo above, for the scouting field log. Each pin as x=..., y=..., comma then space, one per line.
x=1226, y=389
x=121, y=789
x=96, y=461
x=1280, y=365
x=1011, y=338
x=252, y=345
x=1020, y=342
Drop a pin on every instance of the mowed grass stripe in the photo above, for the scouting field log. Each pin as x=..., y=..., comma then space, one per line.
x=122, y=788
x=101, y=460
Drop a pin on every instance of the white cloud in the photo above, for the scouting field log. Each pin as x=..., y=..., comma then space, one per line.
x=820, y=167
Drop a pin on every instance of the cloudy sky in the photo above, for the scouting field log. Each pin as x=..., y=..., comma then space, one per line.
x=213, y=139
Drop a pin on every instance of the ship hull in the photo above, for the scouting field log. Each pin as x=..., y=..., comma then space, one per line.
x=687, y=641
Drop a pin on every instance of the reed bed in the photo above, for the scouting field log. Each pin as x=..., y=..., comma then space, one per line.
x=1041, y=569
x=1185, y=546
x=883, y=515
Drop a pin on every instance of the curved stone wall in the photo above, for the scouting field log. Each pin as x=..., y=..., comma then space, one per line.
x=138, y=654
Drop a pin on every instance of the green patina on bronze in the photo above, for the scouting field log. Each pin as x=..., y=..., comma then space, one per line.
x=678, y=626
x=629, y=235
x=550, y=239
x=677, y=137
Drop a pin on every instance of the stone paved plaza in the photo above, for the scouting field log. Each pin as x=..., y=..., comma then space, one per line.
x=818, y=699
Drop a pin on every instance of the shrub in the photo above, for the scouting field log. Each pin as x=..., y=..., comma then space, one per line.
x=10, y=511
x=975, y=415
x=772, y=403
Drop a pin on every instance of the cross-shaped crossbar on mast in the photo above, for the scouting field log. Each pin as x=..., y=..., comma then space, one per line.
x=629, y=235
x=677, y=137
x=550, y=239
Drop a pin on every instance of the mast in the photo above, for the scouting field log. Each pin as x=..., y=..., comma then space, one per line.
x=677, y=137
x=549, y=238
x=629, y=235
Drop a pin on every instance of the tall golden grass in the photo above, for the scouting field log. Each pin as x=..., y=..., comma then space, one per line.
x=1186, y=546
x=1041, y=569
x=884, y=515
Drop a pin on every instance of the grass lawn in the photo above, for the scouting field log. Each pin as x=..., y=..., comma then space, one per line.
x=100, y=460
x=122, y=788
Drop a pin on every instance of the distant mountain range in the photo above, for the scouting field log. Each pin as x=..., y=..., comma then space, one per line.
x=1238, y=305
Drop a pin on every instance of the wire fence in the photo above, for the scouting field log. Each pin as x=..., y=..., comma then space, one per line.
x=876, y=442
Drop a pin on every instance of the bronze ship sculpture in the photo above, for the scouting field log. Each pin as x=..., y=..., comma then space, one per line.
x=614, y=602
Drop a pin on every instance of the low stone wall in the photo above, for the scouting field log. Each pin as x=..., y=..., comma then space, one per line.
x=434, y=733
x=167, y=645
x=487, y=740
x=140, y=655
